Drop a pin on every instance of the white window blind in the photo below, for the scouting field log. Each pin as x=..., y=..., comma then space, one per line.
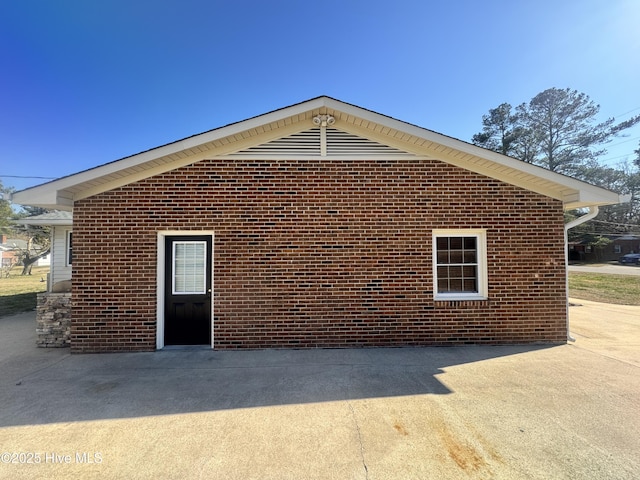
x=189, y=267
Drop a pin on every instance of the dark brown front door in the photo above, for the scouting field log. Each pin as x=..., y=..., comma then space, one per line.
x=188, y=261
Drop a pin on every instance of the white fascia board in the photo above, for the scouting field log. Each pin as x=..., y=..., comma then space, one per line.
x=588, y=194
x=52, y=195
x=44, y=196
x=455, y=144
x=219, y=152
x=594, y=196
x=58, y=222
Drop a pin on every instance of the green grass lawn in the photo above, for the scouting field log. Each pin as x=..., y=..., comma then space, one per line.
x=18, y=293
x=601, y=287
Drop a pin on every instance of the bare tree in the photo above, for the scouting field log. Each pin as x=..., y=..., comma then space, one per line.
x=38, y=239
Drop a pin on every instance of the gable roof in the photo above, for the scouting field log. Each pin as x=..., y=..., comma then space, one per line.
x=55, y=217
x=12, y=244
x=320, y=127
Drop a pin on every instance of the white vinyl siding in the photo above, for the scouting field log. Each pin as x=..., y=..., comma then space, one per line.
x=60, y=269
x=69, y=248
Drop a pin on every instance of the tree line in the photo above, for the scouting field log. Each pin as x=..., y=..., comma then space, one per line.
x=558, y=130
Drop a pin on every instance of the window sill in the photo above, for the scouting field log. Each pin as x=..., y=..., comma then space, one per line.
x=460, y=301
x=459, y=298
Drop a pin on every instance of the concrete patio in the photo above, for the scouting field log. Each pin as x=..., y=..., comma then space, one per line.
x=540, y=412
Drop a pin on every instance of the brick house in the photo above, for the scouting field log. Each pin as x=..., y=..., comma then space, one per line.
x=587, y=249
x=318, y=225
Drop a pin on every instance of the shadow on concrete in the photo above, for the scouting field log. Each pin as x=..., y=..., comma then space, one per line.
x=39, y=386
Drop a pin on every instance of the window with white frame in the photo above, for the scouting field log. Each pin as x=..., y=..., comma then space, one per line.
x=459, y=265
x=69, y=247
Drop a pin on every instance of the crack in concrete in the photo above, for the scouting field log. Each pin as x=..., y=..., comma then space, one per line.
x=355, y=421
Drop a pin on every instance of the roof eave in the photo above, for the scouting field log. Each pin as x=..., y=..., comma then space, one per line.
x=592, y=196
x=60, y=194
x=43, y=222
x=44, y=197
x=54, y=194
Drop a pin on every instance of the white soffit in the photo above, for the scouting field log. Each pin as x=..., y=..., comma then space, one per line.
x=355, y=133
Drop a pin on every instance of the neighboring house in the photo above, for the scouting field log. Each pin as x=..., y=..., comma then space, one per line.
x=44, y=261
x=318, y=225
x=10, y=250
x=589, y=250
x=61, y=247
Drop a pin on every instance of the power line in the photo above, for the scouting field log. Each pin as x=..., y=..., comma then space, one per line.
x=627, y=113
x=614, y=158
x=606, y=159
x=624, y=141
x=22, y=176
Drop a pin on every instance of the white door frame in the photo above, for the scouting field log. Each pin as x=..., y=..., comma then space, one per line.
x=161, y=269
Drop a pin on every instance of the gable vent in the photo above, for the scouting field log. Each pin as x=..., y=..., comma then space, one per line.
x=311, y=143
x=343, y=143
x=302, y=143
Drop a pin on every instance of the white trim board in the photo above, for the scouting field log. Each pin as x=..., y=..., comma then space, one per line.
x=160, y=279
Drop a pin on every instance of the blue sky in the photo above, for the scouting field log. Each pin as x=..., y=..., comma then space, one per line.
x=83, y=82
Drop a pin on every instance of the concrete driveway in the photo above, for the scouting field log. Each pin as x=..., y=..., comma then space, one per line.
x=608, y=268
x=521, y=412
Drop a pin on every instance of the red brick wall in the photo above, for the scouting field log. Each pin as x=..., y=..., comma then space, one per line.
x=321, y=253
